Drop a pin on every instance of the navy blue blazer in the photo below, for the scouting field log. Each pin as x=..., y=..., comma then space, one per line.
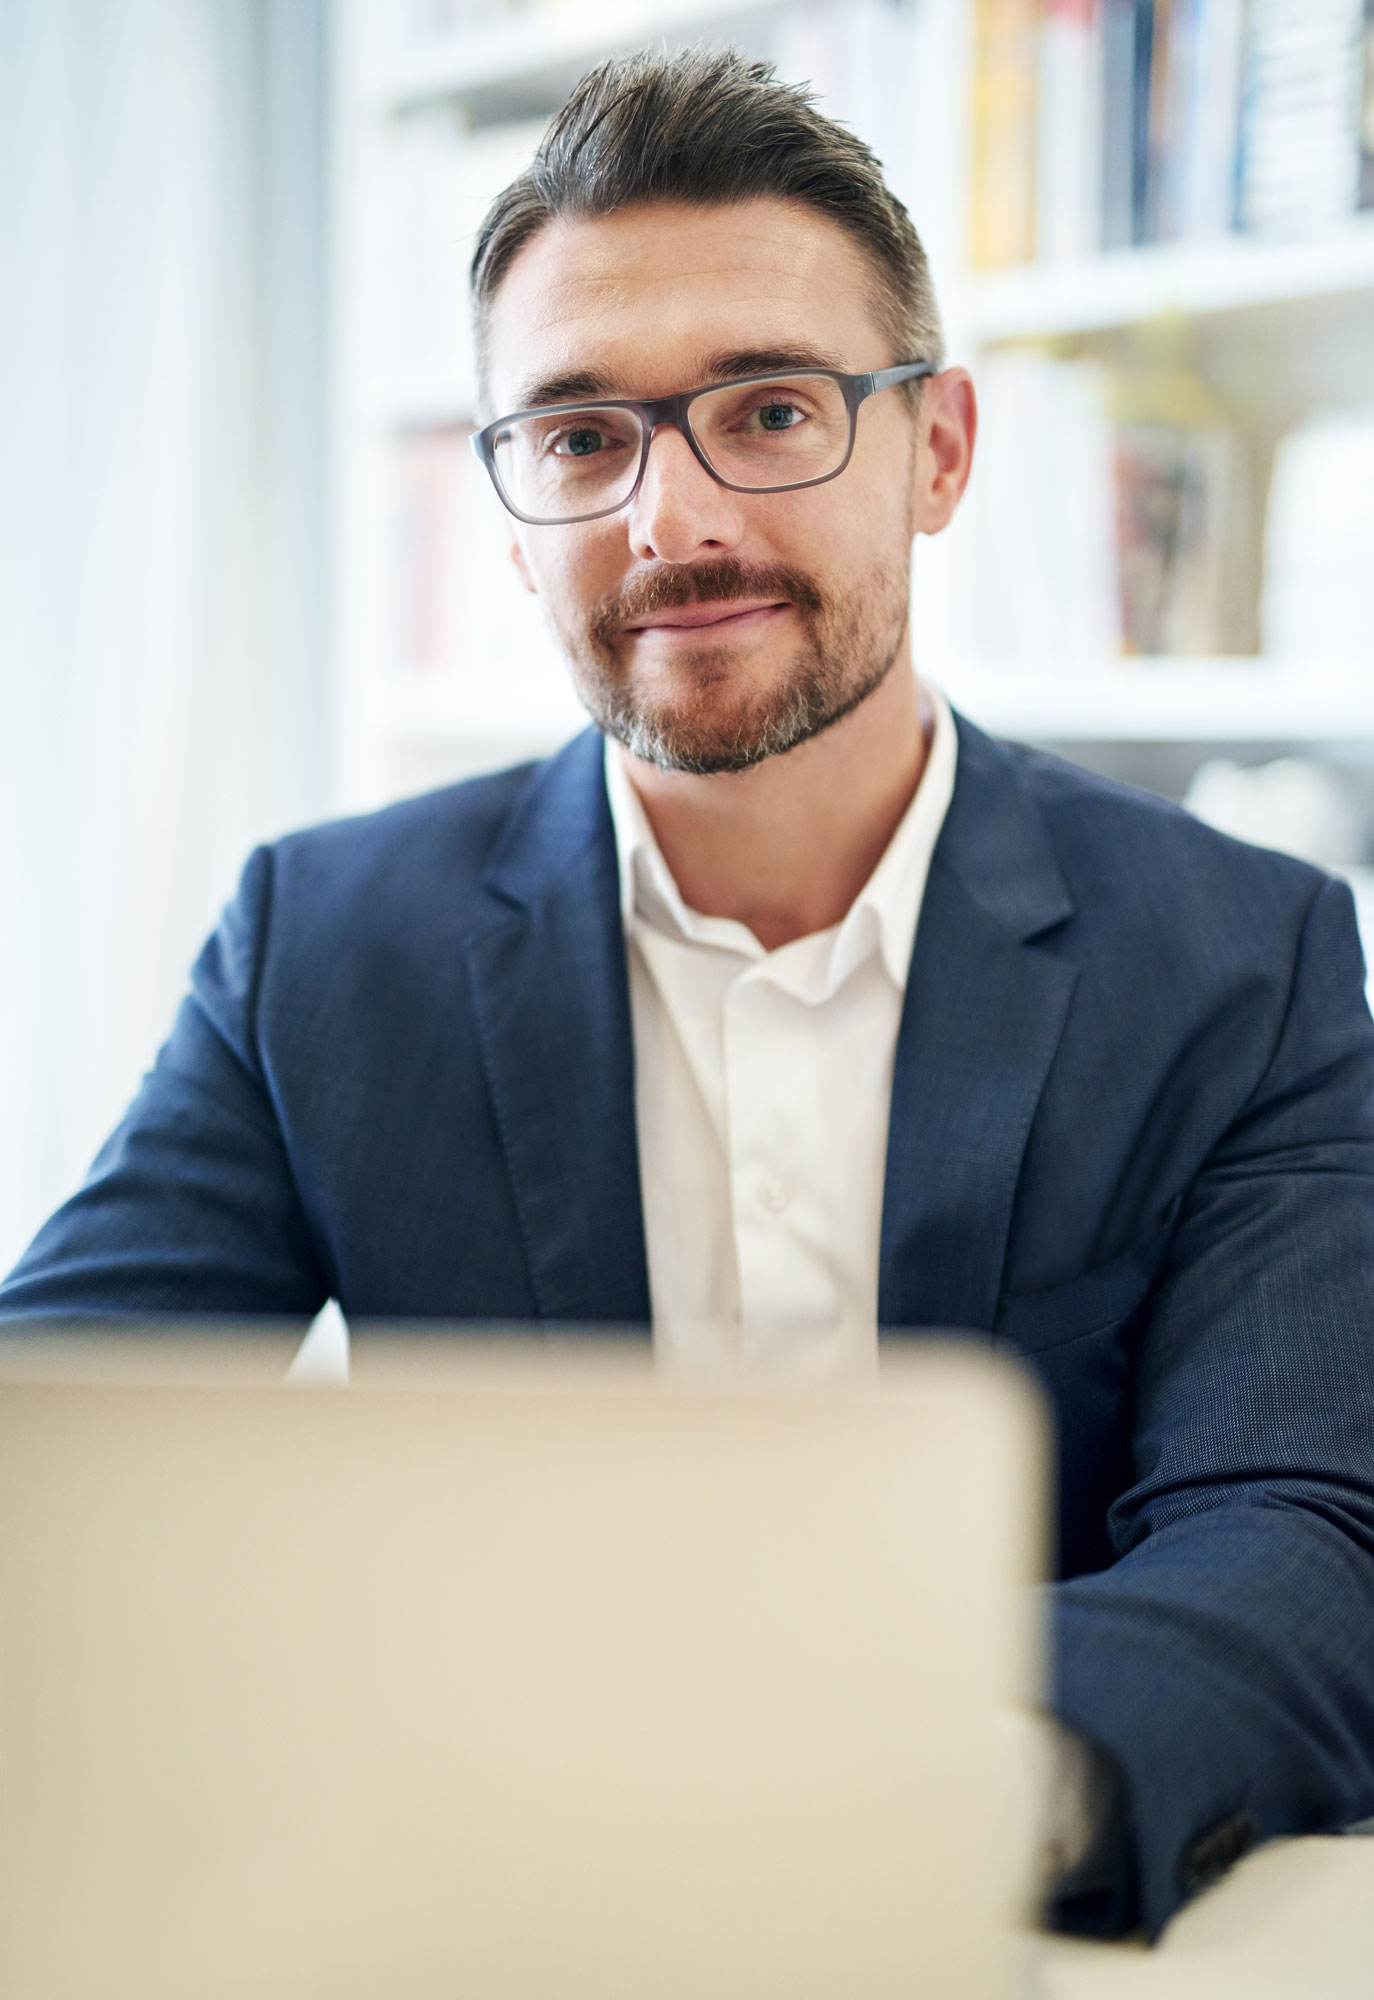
x=1132, y=1134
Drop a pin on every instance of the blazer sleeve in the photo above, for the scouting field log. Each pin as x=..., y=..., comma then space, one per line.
x=190, y=1207
x=1226, y=1658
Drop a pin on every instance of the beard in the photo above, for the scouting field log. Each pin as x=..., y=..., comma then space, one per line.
x=715, y=720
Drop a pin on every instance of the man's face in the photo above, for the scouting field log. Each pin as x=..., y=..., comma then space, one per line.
x=708, y=629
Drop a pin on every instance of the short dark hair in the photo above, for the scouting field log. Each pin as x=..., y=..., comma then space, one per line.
x=706, y=126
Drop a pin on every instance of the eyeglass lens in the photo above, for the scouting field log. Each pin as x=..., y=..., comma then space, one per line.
x=756, y=435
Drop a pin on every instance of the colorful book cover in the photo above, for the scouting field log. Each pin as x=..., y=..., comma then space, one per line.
x=1003, y=203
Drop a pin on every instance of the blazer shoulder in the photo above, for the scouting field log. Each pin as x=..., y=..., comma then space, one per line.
x=454, y=829
x=1116, y=838
x=410, y=883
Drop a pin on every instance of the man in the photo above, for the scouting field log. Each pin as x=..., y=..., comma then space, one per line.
x=800, y=1008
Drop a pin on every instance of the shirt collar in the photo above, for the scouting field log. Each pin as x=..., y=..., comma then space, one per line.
x=883, y=916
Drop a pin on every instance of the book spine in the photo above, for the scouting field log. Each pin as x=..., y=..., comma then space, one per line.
x=1175, y=61
x=1212, y=121
x=1118, y=69
x=1004, y=134
x=1142, y=65
x=1069, y=169
x=1366, y=196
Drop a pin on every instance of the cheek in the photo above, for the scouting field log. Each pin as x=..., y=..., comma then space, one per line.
x=831, y=530
x=578, y=568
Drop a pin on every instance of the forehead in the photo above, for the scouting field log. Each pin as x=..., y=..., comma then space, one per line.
x=641, y=298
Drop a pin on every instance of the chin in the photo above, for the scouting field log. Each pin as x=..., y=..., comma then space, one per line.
x=723, y=708
x=708, y=737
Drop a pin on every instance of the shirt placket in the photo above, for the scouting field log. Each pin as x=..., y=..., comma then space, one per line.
x=773, y=1129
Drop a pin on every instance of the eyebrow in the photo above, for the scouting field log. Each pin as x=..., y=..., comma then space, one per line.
x=582, y=385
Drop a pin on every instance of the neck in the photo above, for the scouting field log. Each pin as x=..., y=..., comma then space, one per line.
x=786, y=846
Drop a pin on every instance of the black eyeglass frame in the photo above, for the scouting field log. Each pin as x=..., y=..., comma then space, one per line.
x=673, y=410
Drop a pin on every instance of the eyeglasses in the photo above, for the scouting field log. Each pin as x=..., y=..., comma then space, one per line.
x=759, y=434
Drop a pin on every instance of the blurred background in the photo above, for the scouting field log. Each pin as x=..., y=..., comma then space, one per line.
x=250, y=575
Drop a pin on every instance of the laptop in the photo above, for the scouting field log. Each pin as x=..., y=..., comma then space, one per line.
x=510, y=1671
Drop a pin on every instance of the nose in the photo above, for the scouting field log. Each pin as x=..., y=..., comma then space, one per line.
x=680, y=512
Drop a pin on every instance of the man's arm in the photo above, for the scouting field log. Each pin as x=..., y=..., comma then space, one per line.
x=1226, y=1660
x=190, y=1206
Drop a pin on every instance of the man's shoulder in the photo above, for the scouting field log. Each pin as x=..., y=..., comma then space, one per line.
x=461, y=821
x=1118, y=843
x=441, y=843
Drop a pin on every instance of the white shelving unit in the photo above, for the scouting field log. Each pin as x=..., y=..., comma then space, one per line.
x=1292, y=322
x=1167, y=701
x=519, y=51
x=1228, y=276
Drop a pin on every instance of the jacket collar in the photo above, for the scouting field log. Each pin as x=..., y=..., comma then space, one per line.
x=987, y=1003
x=551, y=993
x=995, y=842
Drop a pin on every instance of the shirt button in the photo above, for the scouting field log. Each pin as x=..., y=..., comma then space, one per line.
x=772, y=1196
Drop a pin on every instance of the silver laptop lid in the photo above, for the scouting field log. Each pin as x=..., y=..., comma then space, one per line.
x=513, y=1675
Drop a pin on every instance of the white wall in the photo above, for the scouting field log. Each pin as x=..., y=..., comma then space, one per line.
x=163, y=699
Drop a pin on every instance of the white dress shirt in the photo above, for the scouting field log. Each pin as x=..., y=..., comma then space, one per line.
x=762, y=1089
x=762, y=1086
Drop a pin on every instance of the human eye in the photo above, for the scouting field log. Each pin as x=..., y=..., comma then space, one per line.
x=578, y=440
x=581, y=436
x=774, y=412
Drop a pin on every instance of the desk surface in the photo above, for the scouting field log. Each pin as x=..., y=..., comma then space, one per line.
x=1296, y=1918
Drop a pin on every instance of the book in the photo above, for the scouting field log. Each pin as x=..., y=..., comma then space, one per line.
x=1127, y=45
x=1186, y=529
x=1175, y=495
x=1300, y=168
x=1207, y=184
x=1043, y=500
x=1194, y=111
x=1003, y=203
x=1069, y=117
x=1171, y=52
x=1113, y=512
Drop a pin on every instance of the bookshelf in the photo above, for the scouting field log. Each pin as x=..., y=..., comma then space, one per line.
x=1273, y=325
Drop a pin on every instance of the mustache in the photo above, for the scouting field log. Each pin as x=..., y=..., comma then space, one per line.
x=717, y=580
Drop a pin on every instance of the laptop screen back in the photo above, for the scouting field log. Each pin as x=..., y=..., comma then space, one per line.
x=518, y=1678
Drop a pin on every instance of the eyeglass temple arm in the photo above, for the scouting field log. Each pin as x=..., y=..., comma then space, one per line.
x=884, y=378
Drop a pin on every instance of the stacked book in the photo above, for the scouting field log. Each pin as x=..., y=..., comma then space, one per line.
x=1098, y=124
x=1114, y=516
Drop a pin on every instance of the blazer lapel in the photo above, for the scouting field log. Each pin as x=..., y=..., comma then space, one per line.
x=985, y=1008
x=551, y=993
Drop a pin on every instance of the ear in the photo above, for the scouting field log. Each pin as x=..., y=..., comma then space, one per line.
x=946, y=428
x=522, y=568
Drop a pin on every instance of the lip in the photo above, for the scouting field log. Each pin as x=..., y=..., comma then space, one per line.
x=709, y=617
